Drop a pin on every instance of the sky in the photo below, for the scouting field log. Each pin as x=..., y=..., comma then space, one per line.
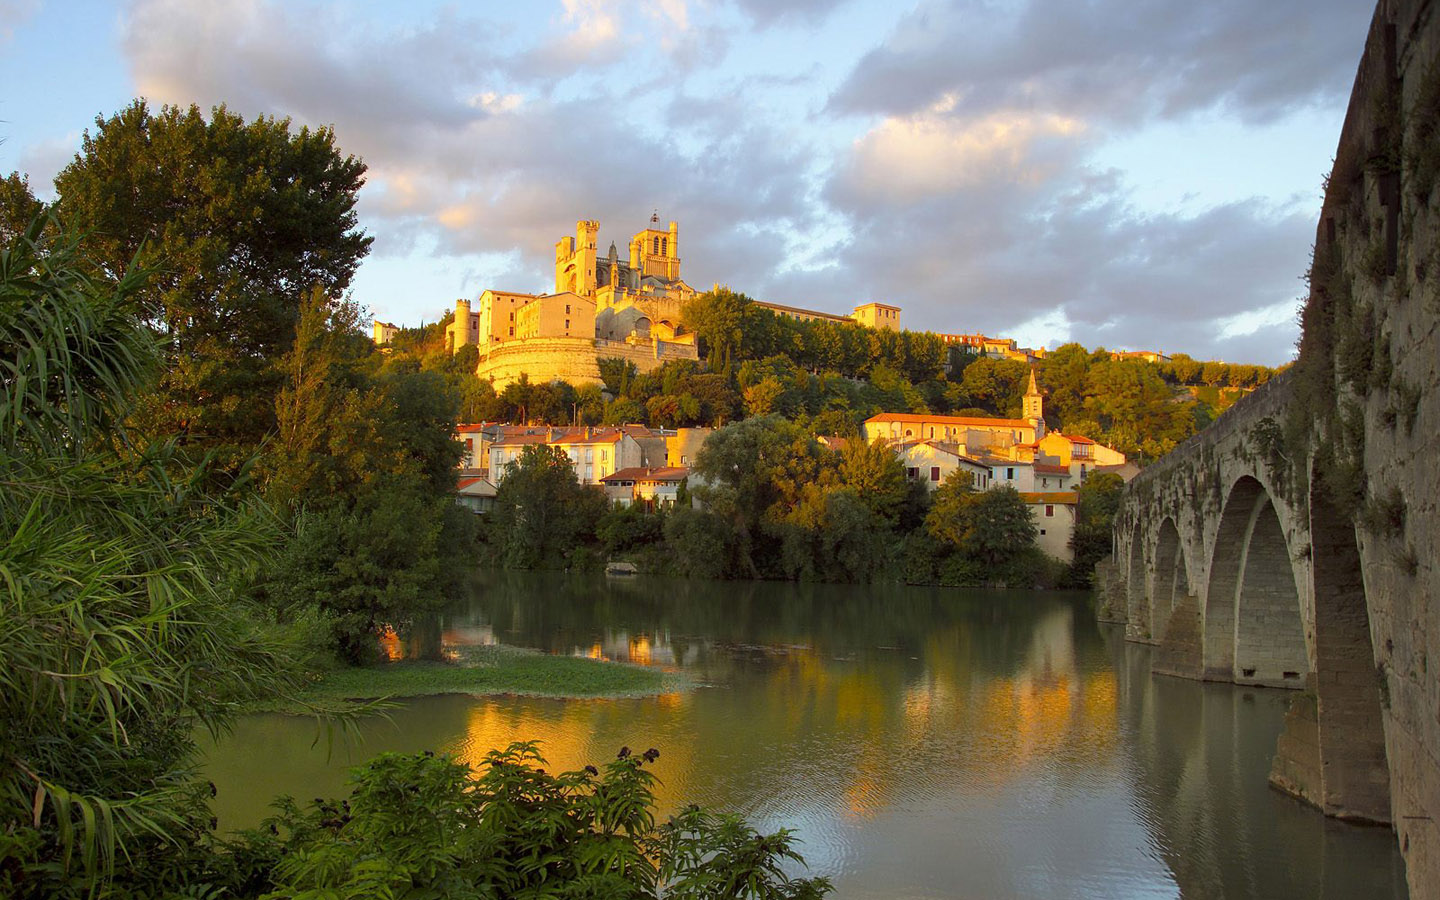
x=1134, y=174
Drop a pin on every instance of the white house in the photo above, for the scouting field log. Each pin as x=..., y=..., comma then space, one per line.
x=1054, y=515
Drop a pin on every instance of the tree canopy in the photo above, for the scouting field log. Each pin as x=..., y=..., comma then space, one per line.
x=237, y=221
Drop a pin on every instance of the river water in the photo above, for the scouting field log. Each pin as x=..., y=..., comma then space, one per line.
x=923, y=743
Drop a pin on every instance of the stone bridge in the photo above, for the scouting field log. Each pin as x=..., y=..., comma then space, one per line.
x=1295, y=543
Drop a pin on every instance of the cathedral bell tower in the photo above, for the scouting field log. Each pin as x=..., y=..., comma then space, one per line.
x=1034, y=407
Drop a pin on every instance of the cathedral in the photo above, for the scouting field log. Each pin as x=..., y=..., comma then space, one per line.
x=602, y=306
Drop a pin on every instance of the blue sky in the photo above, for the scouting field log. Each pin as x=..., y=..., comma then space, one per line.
x=1128, y=173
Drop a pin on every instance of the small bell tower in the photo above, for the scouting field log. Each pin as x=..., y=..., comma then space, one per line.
x=1034, y=406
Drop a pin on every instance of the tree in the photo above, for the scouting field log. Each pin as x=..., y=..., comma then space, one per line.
x=429, y=826
x=753, y=473
x=238, y=221
x=718, y=319
x=541, y=512
x=1098, y=499
x=18, y=207
x=877, y=476
x=991, y=527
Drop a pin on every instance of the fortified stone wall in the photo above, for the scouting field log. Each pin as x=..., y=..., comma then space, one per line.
x=574, y=359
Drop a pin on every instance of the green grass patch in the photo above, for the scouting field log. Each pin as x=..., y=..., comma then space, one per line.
x=494, y=669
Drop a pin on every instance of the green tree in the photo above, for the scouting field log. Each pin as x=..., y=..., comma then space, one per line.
x=427, y=826
x=238, y=221
x=1098, y=499
x=877, y=476
x=18, y=207
x=542, y=513
x=992, y=527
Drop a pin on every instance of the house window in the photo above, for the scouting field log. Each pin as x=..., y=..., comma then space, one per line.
x=1010, y=474
x=1049, y=511
x=934, y=473
x=1042, y=531
x=512, y=330
x=567, y=309
x=912, y=472
x=567, y=324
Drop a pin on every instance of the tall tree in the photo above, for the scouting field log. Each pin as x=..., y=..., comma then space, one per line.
x=18, y=206
x=238, y=220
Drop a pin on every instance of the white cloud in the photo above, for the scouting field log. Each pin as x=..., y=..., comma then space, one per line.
x=904, y=159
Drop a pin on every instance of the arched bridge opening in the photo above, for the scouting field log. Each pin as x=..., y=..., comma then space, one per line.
x=1254, y=626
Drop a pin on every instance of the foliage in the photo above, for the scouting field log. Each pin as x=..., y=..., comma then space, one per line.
x=990, y=527
x=542, y=513
x=123, y=623
x=18, y=207
x=629, y=528
x=427, y=826
x=1097, y=501
x=365, y=462
x=237, y=221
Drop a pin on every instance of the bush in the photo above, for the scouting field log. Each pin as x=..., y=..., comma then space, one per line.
x=423, y=826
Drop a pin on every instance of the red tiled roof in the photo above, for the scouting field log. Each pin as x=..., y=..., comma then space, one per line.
x=639, y=473
x=543, y=435
x=1076, y=439
x=1044, y=469
x=950, y=420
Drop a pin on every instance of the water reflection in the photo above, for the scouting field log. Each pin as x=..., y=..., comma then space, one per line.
x=924, y=743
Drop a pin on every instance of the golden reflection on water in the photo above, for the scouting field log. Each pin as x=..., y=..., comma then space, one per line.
x=922, y=744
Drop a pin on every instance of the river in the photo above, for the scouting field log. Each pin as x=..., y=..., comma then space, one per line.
x=923, y=743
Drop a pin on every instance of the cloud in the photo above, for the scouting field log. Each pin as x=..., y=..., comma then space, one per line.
x=465, y=160
x=13, y=14
x=906, y=159
x=953, y=172
x=1116, y=60
x=765, y=13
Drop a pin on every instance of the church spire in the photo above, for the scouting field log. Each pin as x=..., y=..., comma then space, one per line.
x=1034, y=406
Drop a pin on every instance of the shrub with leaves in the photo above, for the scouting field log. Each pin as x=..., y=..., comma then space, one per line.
x=425, y=826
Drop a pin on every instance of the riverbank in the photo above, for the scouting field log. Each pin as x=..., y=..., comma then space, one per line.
x=484, y=670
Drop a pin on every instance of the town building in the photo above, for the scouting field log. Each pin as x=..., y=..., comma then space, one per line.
x=1153, y=356
x=973, y=435
x=1078, y=454
x=1053, y=513
x=594, y=452
x=383, y=332
x=652, y=488
x=871, y=315
x=932, y=462
x=475, y=493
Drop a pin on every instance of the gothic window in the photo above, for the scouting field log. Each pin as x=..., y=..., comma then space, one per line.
x=665, y=246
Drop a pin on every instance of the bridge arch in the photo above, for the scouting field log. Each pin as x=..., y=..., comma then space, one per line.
x=1172, y=579
x=1254, y=628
